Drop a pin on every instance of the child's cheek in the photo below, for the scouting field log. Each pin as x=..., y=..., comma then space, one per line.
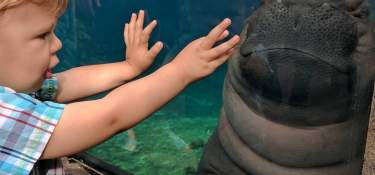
x=40, y=52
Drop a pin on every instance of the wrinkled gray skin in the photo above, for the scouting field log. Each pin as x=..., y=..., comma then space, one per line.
x=298, y=92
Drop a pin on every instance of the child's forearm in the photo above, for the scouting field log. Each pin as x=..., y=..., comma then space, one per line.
x=89, y=80
x=134, y=101
x=121, y=109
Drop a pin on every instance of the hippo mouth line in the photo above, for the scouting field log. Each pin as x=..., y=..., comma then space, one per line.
x=294, y=78
x=314, y=57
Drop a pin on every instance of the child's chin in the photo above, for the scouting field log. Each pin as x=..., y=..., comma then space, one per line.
x=37, y=86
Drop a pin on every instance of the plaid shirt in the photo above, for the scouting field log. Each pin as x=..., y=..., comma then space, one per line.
x=26, y=125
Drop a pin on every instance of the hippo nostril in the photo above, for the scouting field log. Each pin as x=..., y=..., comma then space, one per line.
x=326, y=5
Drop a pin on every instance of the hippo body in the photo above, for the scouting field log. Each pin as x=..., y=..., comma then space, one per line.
x=298, y=92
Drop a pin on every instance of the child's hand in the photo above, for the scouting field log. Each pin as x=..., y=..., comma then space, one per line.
x=136, y=39
x=199, y=59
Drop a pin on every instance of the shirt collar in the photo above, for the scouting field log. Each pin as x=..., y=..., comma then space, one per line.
x=4, y=89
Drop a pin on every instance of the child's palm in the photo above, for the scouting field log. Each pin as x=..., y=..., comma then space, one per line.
x=136, y=39
x=200, y=58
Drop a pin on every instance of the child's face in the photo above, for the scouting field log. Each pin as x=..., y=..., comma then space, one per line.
x=28, y=46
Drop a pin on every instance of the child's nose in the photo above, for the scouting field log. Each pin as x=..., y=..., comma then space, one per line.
x=56, y=44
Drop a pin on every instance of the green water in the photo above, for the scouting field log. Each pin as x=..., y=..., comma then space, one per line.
x=156, y=153
x=158, y=150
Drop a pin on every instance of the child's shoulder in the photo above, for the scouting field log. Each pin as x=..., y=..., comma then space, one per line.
x=26, y=124
x=24, y=108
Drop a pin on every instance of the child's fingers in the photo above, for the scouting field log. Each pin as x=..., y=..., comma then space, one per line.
x=223, y=35
x=155, y=49
x=215, y=34
x=126, y=34
x=132, y=27
x=223, y=48
x=148, y=30
x=222, y=59
x=139, y=24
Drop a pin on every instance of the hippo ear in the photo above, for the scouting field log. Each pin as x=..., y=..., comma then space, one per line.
x=358, y=8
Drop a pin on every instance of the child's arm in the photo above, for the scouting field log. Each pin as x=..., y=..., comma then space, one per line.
x=88, y=80
x=85, y=124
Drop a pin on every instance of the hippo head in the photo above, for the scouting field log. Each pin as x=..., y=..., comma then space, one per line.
x=306, y=62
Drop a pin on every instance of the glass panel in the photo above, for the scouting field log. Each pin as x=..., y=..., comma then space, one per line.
x=171, y=141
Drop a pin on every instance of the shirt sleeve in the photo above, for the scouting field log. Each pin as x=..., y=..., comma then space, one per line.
x=26, y=125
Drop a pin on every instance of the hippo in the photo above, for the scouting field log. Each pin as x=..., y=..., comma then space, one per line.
x=298, y=91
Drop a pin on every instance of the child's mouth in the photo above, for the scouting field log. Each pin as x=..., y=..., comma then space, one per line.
x=48, y=73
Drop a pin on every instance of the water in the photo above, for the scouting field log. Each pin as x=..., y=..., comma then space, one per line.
x=171, y=141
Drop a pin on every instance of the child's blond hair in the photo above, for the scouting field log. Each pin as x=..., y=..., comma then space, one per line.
x=58, y=6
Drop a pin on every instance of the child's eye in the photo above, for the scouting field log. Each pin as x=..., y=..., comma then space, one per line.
x=44, y=35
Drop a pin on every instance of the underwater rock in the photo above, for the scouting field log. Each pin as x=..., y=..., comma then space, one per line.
x=197, y=144
x=190, y=171
x=297, y=94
